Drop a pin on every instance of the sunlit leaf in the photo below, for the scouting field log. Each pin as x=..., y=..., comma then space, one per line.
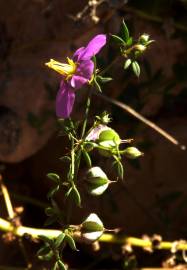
x=59, y=240
x=54, y=177
x=125, y=31
x=136, y=68
x=70, y=242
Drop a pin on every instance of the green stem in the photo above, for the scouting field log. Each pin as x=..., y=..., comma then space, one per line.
x=72, y=160
x=71, y=179
x=78, y=156
x=86, y=114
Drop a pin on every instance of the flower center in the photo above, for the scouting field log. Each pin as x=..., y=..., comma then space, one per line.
x=66, y=70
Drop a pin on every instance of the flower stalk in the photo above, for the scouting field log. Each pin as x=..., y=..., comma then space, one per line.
x=7, y=200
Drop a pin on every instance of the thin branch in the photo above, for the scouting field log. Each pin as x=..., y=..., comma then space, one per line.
x=142, y=119
x=34, y=233
x=6, y=196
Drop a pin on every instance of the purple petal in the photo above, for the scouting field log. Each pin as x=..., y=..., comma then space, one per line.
x=78, y=81
x=64, y=100
x=85, y=69
x=78, y=53
x=93, y=47
x=95, y=132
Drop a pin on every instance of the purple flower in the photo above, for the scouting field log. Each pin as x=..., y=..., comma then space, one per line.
x=76, y=73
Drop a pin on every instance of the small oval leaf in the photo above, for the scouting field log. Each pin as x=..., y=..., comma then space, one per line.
x=75, y=195
x=125, y=31
x=118, y=39
x=54, y=177
x=46, y=257
x=87, y=158
x=59, y=240
x=127, y=63
x=70, y=242
x=136, y=68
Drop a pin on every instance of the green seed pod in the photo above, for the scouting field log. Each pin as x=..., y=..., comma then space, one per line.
x=97, y=181
x=92, y=228
x=132, y=152
x=108, y=140
x=93, y=136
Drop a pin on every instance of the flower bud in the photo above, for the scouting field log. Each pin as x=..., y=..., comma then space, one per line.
x=104, y=118
x=97, y=181
x=140, y=47
x=132, y=152
x=92, y=228
x=143, y=39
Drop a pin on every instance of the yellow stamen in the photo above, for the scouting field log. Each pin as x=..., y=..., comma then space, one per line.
x=64, y=69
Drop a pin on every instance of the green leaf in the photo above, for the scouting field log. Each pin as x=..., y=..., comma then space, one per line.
x=136, y=68
x=98, y=87
x=54, y=177
x=125, y=31
x=118, y=39
x=46, y=239
x=43, y=250
x=61, y=265
x=52, y=192
x=120, y=170
x=119, y=167
x=70, y=242
x=46, y=257
x=65, y=159
x=104, y=79
x=127, y=63
x=59, y=240
x=87, y=158
x=129, y=42
x=75, y=195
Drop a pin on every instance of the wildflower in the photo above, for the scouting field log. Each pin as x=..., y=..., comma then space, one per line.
x=76, y=73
